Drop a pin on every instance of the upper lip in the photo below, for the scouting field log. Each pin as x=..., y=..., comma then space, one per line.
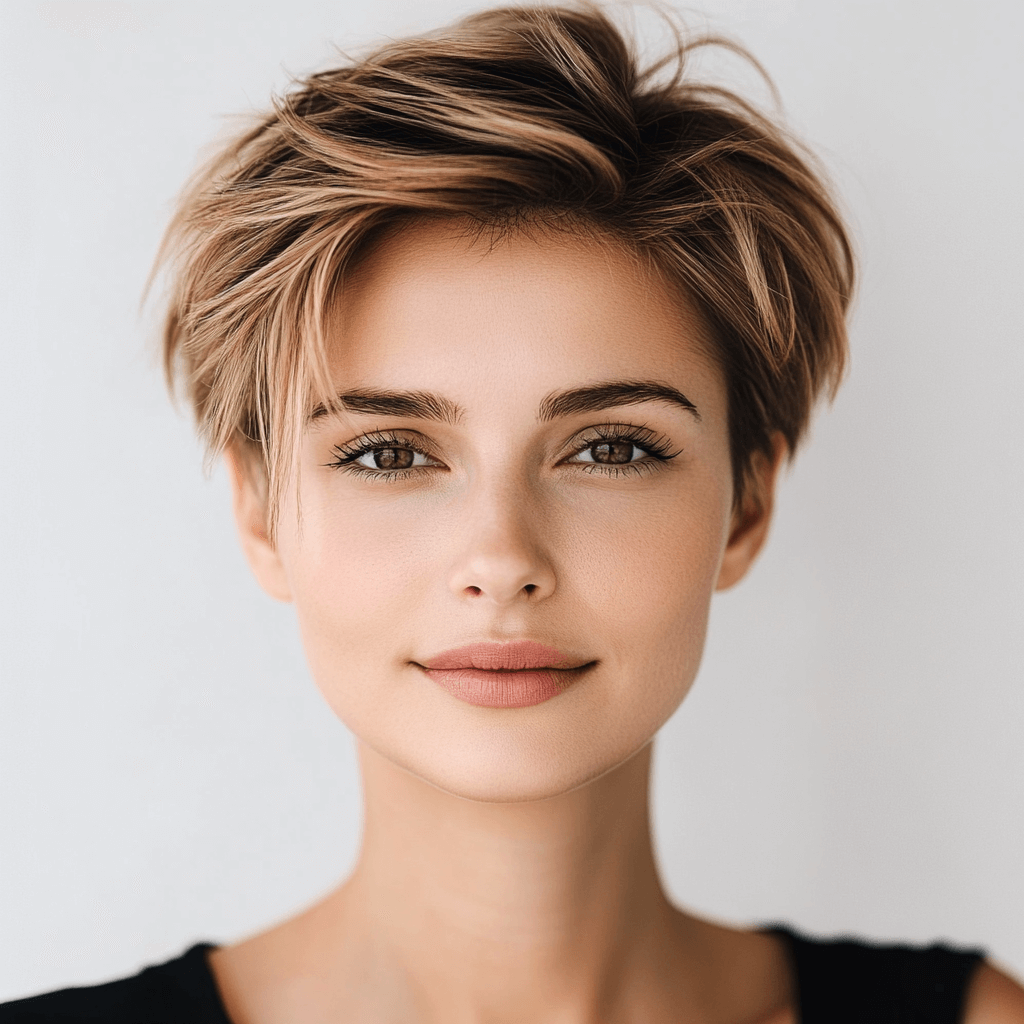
x=513, y=656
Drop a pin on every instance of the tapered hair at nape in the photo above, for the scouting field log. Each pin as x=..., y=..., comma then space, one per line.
x=514, y=116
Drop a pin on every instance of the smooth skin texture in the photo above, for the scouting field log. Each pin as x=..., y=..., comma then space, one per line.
x=503, y=538
x=506, y=870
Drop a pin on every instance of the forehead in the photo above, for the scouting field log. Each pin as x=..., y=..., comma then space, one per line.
x=437, y=303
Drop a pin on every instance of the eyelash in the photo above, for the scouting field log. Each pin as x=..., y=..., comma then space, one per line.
x=656, y=448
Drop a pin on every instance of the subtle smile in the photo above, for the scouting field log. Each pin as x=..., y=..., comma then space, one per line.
x=504, y=675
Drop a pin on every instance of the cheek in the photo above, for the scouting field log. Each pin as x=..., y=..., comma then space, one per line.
x=359, y=576
x=651, y=549
x=646, y=577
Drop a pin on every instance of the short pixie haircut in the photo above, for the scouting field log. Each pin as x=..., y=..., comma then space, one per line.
x=520, y=115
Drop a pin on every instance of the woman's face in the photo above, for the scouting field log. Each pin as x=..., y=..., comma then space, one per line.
x=534, y=449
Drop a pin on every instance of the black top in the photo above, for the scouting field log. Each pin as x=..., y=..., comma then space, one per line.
x=181, y=991
x=838, y=982
x=845, y=981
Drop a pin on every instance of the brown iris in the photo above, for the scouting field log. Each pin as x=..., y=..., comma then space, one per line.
x=612, y=451
x=393, y=458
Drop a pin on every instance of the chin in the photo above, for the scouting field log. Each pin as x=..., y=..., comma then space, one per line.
x=516, y=757
x=513, y=782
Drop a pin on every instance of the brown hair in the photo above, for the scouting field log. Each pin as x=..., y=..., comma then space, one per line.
x=510, y=115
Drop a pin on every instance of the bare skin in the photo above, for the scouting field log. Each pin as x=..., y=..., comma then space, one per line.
x=506, y=871
x=547, y=911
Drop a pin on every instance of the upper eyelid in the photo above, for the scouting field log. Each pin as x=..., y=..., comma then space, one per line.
x=638, y=433
x=395, y=435
x=381, y=439
x=642, y=436
x=617, y=430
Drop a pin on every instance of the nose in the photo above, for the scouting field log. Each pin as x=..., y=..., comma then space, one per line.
x=502, y=555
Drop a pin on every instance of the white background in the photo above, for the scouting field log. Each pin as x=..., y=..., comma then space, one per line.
x=851, y=758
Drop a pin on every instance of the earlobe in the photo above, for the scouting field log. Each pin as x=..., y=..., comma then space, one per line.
x=250, y=510
x=752, y=517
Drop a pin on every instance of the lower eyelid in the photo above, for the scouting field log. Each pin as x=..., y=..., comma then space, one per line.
x=615, y=468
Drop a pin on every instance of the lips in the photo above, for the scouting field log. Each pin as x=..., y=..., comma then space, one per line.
x=504, y=675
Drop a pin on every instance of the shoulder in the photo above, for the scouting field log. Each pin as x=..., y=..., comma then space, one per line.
x=180, y=989
x=871, y=980
x=994, y=998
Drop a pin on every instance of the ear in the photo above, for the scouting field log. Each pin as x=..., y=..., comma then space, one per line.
x=752, y=516
x=249, y=502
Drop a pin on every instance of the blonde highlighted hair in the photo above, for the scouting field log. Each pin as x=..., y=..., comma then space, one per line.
x=515, y=115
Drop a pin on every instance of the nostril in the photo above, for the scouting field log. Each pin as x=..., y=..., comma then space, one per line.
x=530, y=587
x=475, y=591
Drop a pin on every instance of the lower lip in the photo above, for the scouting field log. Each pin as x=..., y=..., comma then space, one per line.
x=490, y=689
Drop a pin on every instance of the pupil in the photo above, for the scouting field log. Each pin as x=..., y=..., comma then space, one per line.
x=393, y=458
x=613, y=451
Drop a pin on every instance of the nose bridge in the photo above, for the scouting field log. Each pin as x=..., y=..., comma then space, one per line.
x=501, y=551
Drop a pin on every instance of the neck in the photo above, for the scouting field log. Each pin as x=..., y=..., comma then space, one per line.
x=509, y=911
x=462, y=911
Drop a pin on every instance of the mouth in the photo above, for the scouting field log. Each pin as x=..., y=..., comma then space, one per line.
x=504, y=675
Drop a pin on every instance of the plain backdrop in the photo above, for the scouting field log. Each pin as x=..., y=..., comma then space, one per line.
x=851, y=759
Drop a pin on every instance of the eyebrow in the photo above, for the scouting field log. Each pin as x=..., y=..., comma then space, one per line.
x=419, y=405
x=608, y=394
x=426, y=405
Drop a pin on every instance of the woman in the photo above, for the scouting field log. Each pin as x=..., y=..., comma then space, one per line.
x=504, y=344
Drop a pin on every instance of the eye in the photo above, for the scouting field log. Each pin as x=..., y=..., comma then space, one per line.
x=391, y=458
x=383, y=456
x=611, y=453
x=615, y=449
